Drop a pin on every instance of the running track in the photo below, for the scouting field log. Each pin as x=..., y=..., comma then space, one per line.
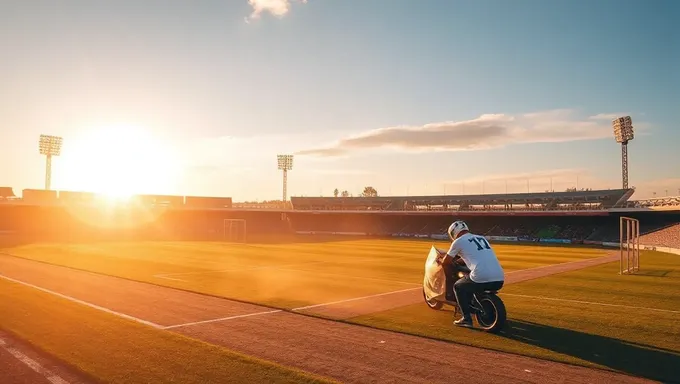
x=344, y=352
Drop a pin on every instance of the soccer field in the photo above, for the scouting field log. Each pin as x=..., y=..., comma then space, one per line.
x=587, y=316
x=281, y=275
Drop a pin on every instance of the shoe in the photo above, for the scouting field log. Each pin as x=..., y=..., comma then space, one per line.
x=463, y=322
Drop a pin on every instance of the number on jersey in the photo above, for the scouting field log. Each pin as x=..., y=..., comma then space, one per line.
x=480, y=242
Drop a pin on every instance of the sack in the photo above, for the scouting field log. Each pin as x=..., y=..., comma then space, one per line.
x=434, y=283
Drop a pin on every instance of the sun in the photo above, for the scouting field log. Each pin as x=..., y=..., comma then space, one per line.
x=118, y=161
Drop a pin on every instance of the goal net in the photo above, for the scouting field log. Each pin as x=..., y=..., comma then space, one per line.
x=235, y=230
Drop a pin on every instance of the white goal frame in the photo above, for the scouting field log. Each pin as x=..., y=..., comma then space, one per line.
x=231, y=232
x=629, y=245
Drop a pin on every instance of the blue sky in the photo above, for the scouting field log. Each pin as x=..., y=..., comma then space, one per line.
x=418, y=97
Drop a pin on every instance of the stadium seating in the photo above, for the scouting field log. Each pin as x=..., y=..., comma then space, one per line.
x=74, y=215
x=571, y=200
x=39, y=196
x=668, y=236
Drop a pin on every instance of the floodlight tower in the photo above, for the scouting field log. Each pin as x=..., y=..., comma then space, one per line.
x=49, y=146
x=285, y=165
x=623, y=133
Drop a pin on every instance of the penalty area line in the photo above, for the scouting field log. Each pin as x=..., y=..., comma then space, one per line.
x=85, y=303
x=34, y=365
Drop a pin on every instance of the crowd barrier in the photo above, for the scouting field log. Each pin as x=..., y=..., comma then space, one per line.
x=555, y=241
x=657, y=248
x=592, y=242
x=526, y=239
x=502, y=238
x=437, y=236
x=331, y=233
x=674, y=251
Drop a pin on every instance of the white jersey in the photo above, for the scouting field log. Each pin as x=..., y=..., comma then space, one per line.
x=479, y=257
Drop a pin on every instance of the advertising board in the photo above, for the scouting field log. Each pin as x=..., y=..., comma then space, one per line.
x=592, y=242
x=502, y=238
x=438, y=236
x=555, y=241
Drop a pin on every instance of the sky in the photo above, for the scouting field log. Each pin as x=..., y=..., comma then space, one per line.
x=410, y=97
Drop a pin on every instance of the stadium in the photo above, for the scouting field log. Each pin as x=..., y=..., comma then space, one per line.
x=329, y=288
x=168, y=249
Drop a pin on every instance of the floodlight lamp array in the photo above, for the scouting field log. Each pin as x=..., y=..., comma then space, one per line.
x=285, y=162
x=623, y=129
x=50, y=145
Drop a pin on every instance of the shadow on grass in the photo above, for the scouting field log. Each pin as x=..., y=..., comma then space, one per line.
x=653, y=273
x=631, y=358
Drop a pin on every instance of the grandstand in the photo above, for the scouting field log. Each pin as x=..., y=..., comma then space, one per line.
x=7, y=194
x=562, y=217
x=41, y=197
x=567, y=201
x=659, y=202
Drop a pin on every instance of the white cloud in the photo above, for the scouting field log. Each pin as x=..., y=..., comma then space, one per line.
x=485, y=132
x=609, y=116
x=278, y=8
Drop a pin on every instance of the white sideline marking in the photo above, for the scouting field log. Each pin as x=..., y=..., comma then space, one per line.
x=165, y=275
x=221, y=319
x=347, y=276
x=589, y=303
x=34, y=365
x=73, y=299
x=170, y=278
x=413, y=289
x=354, y=299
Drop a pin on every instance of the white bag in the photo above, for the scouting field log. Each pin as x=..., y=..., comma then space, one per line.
x=434, y=283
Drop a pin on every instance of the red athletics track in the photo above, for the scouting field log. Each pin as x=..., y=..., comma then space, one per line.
x=348, y=353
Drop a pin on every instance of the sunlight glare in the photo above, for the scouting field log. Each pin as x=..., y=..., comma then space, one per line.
x=118, y=161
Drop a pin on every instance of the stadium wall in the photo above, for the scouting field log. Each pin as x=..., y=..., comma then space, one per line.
x=675, y=251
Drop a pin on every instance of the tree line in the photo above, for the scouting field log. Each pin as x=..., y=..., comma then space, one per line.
x=368, y=192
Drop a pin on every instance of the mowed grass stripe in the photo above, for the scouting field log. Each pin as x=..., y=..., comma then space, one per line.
x=278, y=275
x=115, y=350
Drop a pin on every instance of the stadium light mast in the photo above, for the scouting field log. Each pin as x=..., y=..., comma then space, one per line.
x=49, y=146
x=285, y=164
x=623, y=133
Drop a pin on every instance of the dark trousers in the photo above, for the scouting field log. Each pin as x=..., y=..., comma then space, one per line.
x=464, y=289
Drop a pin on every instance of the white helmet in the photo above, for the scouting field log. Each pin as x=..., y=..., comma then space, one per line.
x=456, y=228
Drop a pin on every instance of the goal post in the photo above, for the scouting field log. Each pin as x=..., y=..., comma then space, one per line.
x=629, y=245
x=235, y=230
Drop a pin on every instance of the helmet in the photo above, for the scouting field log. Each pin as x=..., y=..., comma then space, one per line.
x=456, y=228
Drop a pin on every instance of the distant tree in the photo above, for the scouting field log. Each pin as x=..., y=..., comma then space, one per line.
x=336, y=192
x=369, y=192
x=344, y=194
